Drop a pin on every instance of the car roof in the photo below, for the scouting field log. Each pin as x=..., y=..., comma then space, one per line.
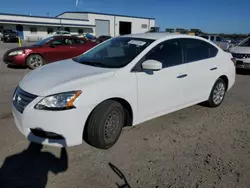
x=157, y=35
x=166, y=36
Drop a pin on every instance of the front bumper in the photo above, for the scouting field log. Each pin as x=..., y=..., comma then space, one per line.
x=240, y=64
x=10, y=39
x=68, y=124
x=15, y=60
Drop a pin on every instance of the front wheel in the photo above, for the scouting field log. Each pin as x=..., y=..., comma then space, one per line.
x=105, y=124
x=217, y=94
x=34, y=61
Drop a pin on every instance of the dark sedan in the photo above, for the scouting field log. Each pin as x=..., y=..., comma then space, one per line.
x=10, y=36
x=48, y=50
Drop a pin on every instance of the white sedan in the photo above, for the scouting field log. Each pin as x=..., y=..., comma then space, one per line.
x=124, y=81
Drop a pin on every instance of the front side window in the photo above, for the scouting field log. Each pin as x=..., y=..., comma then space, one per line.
x=196, y=50
x=62, y=41
x=78, y=41
x=115, y=53
x=169, y=53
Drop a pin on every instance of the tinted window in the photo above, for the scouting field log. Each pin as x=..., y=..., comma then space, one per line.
x=211, y=38
x=62, y=41
x=169, y=53
x=195, y=50
x=78, y=41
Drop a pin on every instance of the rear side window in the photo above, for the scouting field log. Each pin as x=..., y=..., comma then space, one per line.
x=78, y=41
x=196, y=50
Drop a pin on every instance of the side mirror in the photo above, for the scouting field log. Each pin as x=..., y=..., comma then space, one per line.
x=152, y=65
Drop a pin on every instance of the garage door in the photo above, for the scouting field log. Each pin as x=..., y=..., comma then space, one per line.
x=102, y=27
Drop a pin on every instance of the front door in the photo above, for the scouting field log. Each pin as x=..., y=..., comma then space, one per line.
x=59, y=49
x=162, y=91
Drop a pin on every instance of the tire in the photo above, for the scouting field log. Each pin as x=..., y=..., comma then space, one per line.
x=217, y=94
x=98, y=132
x=34, y=61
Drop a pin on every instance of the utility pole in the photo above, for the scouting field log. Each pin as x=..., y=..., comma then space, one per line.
x=76, y=4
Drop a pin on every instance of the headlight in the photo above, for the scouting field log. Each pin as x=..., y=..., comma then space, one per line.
x=60, y=101
x=18, y=52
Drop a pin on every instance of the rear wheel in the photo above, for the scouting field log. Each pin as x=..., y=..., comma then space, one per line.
x=105, y=124
x=217, y=94
x=34, y=61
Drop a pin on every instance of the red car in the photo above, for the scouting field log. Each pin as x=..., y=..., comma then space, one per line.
x=48, y=50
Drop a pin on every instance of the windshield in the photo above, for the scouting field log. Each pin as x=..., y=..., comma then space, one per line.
x=114, y=53
x=44, y=41
x=246, y=43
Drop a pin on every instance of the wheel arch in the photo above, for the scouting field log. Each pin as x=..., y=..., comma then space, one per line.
x=129, y=115
x=35, y=53
x=226, y=80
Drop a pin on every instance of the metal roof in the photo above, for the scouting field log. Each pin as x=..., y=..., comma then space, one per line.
x=107, y=14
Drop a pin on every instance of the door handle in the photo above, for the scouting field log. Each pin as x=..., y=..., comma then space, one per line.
x=72, y=47
x=214, y=68
x=182, y=76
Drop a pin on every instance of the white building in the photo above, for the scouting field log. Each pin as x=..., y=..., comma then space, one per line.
x=37, y=27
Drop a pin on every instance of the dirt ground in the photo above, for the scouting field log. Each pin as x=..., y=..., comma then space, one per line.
x=196, y=147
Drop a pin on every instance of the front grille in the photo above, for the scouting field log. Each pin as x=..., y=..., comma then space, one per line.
x=21, y=99
x=241, y=56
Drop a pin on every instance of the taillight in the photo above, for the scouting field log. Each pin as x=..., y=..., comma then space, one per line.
x=233, y=60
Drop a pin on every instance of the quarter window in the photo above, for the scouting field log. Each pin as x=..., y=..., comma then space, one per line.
x=196, y=50
x=169, y=53
x=78, y=41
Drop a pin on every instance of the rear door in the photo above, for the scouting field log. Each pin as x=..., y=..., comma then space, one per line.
x=202, y=68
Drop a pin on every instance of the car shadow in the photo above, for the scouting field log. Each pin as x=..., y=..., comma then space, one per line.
x=243, y=71
x=30, y=168
x=16, y=67
x=125, y=183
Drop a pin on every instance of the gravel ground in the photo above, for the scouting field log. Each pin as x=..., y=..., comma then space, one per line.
x=195, y=147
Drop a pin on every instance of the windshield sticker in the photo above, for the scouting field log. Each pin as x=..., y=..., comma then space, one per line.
x=137, y=42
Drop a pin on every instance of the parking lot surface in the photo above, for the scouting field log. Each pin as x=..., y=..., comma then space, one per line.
x=194, y=147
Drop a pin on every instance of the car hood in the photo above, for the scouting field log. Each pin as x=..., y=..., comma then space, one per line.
x=240, y=50
x=63, y=76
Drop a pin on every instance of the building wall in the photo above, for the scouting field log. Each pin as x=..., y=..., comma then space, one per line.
x=136, y=24
x=114, y=23
x=93, y=17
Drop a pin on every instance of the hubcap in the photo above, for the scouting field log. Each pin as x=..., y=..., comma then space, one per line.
x=112, y=125
x=36, y=61
x=218, y=93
